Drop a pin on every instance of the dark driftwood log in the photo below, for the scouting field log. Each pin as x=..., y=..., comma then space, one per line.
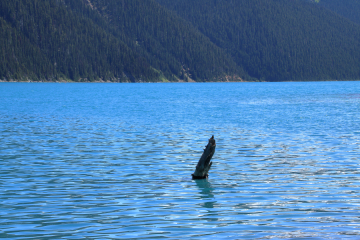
x=204, y=163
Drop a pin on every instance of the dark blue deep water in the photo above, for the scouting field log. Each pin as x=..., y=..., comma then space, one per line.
x=114, y=161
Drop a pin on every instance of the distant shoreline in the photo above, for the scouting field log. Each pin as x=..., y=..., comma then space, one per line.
x=64, y=81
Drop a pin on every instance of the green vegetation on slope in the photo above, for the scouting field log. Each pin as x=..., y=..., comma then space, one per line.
x=349, y=9
x=120, y=40
x=172, y=40
x=279, y=39
x=169, y=43
x=50, y=41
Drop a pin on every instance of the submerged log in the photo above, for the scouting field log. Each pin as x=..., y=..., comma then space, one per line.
x=204, y=163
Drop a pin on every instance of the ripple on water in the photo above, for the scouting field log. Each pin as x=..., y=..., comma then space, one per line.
x=286, y=164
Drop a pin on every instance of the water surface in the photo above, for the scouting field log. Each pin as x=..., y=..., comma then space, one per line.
x=114, y=161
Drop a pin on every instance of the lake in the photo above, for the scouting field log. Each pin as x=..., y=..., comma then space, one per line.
x=114, y=161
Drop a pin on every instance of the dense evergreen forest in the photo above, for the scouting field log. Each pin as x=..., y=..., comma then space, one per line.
x=278, y=40
x=50, y=40
x=116, y=40
x=349, y=9
x=179, y=40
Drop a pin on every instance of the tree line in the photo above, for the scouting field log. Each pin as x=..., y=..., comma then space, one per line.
x=177, y=40
x=278, y=40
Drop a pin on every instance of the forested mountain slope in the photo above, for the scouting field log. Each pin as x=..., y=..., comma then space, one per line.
x=168, y=42
x=347, y=8
x=49, y=40
x=118, y=40
x=278, y=40
x=177, y=40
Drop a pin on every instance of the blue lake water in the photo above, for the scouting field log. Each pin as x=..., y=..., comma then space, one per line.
x=114, y=161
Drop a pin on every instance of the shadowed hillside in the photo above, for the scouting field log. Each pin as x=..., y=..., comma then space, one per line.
x=178, y=40
x=279, y=39
x=127, y=40
x=349, y=9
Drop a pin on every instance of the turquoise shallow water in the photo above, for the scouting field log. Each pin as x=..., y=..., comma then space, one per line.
x=114, y=161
